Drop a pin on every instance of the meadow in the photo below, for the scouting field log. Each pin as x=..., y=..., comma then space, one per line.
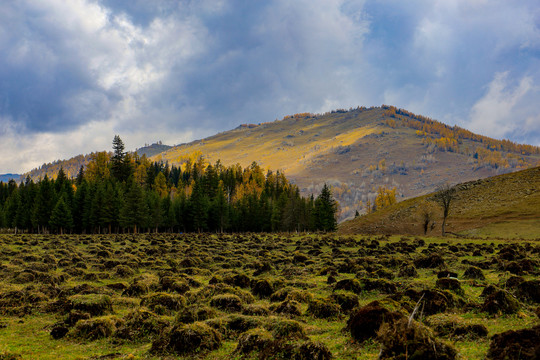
x=253, y=296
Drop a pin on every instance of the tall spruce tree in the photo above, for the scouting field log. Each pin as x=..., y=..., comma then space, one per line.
x=325, y=210
x=61, y=220
x=120, y=161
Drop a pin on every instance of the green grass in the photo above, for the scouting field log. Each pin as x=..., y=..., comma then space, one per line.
x=29, y=335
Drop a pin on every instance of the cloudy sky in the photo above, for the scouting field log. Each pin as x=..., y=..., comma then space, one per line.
x=73, y=73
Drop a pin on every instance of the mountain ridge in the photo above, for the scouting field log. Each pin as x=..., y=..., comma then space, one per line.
x=356, y=151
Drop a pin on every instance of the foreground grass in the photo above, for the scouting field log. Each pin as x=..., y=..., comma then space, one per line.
x=39, y=271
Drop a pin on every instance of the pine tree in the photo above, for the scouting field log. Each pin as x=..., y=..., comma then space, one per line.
x=134, y=211
x=120, y=161
x=43, y=205
x=61, y=219
x=325, y=210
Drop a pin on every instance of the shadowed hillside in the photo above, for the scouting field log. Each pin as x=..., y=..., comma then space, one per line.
x=502, y=206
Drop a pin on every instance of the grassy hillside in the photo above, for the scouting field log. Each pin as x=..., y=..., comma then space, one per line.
x=355, y=151
x=358, y=150
x=506, y=206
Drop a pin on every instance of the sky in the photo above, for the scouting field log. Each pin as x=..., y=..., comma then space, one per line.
x=74, y=73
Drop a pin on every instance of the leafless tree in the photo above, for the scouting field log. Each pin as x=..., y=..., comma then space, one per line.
x=444, y=196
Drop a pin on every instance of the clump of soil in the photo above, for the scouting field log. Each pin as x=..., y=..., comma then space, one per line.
x=529, y=291
x=521, y=344
x=254, y=340
x=262, y=288
x=323, y=309
x=193, y=313
x=450, y=284
x=366, y=321
x=407, y=271
x=164, y=303
x=187, y=339
x=350, y=285
x=141, y=325
x=431, y=261
x=502, y=302
x=347, y=301
x=94, y=304
x=227, y=302
x=287, y=307
x=312, y=351
x=402, y=339
x=96, y=328
x=473, y=272
x=288, y=329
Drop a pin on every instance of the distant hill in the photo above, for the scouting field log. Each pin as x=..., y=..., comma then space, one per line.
x=359, y=149
x=72, y=166
x=151, y=150
x=506, y=206
x=6, y=177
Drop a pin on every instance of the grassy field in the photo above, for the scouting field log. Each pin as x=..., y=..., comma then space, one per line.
x=251, y=296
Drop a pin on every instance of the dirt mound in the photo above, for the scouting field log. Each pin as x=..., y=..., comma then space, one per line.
x=94, y=304
x=164, y=303
x=430, y=261
x=96, y=328
x=287, y=307
x=366, y=321
x=521, y=344
x=227, y=302
x=473, y=272
x=187, y=339
x=254, y=340
x=347, y=301
x=529, y=290
x=502, y=302
x=141, y=325
x=402, y=339
x=323, y=309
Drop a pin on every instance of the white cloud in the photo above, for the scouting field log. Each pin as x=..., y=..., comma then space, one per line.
x=496, y=114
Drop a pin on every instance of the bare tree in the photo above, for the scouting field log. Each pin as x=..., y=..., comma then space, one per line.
x=426, y=215
x=444, y=196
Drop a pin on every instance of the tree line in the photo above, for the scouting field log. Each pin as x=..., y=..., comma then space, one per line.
x=122, y=192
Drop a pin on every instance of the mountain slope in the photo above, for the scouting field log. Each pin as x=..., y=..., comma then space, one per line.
x=358, y=150
x=502, y=206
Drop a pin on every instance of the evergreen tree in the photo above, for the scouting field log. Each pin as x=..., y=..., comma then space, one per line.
x=325, y=211
x=198, y=208
x=155, y=217
x=43, y=205
x=61, y=219
x=79, y=202
x=134, y=211
x=120, y=161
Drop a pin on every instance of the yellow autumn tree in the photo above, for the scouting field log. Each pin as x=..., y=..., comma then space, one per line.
x=385, y=197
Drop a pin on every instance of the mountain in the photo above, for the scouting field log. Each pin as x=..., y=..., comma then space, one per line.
x=6, y=177
x=355, y=151
x=505, y=206
x=151, y=150
x=358, y=150
x=72, y=166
